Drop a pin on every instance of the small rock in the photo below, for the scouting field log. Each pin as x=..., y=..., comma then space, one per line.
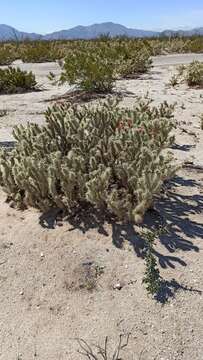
x=42, y=255
x=22, y=293
x=118, y=286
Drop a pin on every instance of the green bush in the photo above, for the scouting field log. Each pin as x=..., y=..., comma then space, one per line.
x=94, y=66
x=132, y=59
x=14, y=80
x=103, y=155
x=136, y=52
x=174, y=81
x=194, y=74
x=6, y=55
x=91, y=69
x=39, y=51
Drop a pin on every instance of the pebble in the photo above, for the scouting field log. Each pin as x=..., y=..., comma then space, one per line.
x=118, y=286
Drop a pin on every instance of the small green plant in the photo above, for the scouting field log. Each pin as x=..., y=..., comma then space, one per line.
x=151, y=278
x=174, y=81
x=98, y=352
x=14, y=80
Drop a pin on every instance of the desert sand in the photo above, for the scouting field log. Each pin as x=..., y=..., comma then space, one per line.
x=60, y=280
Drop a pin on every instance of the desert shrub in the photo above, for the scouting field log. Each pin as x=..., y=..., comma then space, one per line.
x=194, y=74
x=195, y=44
x=14, y=80
x=133, y=59
x=174, y=81
x=91, y=69
x=6, y=55
x=40, y=51
x=176, y=44
x=103, y=155
x=94, y=66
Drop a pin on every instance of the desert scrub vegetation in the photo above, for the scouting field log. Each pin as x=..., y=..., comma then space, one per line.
x=92, y=70
x=133, y=58
x=174, y=80
x=95, y=66
x=14, y=80
x=45, y=51
x=176, y=44
x=108, y=157
x=7, y=55
x=193, y=74
x=40, y=51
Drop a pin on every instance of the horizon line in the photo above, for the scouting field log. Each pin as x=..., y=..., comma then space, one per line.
x=181, y=28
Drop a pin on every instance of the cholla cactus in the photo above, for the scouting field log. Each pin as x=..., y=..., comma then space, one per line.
x=102, y=154
x=194, y=74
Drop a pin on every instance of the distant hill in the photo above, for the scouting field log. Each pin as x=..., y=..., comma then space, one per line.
x=94, y=31
x=197, y=31
x=8, y=33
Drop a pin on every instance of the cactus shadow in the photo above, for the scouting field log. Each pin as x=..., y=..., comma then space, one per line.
x=174, y=214
x=170, y=288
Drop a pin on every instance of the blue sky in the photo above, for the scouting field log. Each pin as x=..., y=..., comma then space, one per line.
x=44, y=16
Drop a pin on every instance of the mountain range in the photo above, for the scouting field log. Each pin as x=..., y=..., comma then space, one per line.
x=8, y=33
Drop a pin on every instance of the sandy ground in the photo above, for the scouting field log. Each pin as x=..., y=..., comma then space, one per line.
x=58, y=279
